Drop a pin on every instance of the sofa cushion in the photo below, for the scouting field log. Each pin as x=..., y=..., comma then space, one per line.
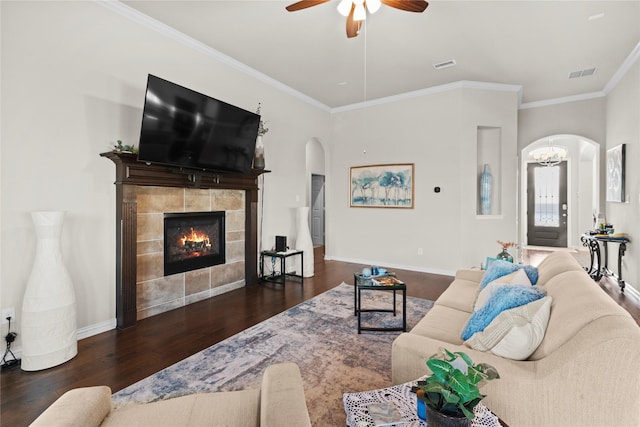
x=501, y=268
x=577, y=302
x=506, y=297
x=518, y=277
x=461, y=295
x=515, y=333
x=234, y=408
x=442, y=323
x=556, y=263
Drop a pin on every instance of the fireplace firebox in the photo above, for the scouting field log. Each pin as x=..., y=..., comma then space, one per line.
x=193, y=240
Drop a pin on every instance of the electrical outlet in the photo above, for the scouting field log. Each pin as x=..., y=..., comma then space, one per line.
x=419, y=251
x=6, y=312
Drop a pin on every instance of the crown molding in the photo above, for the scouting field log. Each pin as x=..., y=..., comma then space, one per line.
x=462, y=84
x=136, y=16
x=624, y=68
x=140, y=18
x=563, y=100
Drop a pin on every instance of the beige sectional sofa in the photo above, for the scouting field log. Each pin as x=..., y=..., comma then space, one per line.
x=585, y=372
x=279, y=402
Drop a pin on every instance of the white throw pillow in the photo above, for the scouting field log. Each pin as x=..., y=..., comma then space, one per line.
x=515, y=333
x=518, y=277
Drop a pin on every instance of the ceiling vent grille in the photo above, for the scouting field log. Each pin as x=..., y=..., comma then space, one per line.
x=445, y=64
x=582, y=73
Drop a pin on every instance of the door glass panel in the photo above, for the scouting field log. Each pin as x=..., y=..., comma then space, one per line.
x=547, y=192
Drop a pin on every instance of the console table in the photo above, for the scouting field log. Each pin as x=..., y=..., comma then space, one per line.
x=280, y=278
x=597, y=269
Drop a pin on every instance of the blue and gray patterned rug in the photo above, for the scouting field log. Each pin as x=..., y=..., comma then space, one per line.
x=320, y=335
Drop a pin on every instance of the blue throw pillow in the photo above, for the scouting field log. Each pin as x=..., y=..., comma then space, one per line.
x=499, y=268
x=506, y=297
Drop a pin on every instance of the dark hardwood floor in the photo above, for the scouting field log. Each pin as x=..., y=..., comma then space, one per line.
x=118, y=358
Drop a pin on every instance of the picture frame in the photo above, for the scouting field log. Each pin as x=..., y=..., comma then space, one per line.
x=382, y=186
x=615, y=170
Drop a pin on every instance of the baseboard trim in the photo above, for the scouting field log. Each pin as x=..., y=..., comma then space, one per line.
x=96, y=328
x=392, y=265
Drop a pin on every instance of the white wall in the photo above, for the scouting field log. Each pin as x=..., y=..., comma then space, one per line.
x=73, y=80
x=437, y=132
x=623, y=127
x=585, y=118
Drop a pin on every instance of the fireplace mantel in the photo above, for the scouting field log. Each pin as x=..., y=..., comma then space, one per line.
x=131, y=173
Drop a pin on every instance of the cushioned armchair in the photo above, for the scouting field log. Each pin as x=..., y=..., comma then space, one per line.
x=278, y=402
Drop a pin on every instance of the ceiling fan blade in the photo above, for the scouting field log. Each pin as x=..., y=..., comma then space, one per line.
x=303, y=4
x=353, y=26
x=408, y=5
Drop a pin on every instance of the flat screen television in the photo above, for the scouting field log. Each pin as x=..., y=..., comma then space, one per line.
x=181, y=127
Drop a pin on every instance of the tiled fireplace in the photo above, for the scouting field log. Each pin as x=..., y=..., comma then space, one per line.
x=159, y=290
x=144, y=194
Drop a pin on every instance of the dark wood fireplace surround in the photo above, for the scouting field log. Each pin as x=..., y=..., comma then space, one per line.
x=131, y=173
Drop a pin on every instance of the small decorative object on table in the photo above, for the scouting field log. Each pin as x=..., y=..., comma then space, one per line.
x=505, y=255
x=452, y=391
x=385, y=414
x=124, y=148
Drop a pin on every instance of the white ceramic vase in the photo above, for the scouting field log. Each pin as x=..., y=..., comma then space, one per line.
x=303, y=240
x=49, y=306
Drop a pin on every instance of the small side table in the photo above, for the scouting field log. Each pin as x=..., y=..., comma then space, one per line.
x=361, y=283
x=280, y=278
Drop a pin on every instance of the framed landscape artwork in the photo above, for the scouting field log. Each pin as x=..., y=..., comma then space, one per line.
x=615, y=173
x=382, y=186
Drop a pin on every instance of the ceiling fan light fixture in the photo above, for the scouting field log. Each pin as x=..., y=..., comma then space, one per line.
x=373, y=5
x=359, y=14
x=344, y=7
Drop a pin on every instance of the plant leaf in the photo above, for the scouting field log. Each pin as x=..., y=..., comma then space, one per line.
x=465, y=357
x=467, y=413
x=450, y=397
x=475, y=376
x=459, y=383
x=440, y=368
x=489, y=371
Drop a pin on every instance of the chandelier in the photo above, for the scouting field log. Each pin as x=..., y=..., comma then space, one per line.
x=361, y=6
x=550, y=155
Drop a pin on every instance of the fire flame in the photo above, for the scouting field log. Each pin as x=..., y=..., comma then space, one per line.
x=194, y=236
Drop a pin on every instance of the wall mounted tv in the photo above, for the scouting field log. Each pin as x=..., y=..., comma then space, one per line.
x=181, y=127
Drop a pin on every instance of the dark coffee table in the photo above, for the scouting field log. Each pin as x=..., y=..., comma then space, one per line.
x=361, y=283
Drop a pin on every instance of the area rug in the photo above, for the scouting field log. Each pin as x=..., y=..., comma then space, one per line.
x=320, y=335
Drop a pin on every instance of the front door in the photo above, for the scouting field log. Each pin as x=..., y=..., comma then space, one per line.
x=547, y=205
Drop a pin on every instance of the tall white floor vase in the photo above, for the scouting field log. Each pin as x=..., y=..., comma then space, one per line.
x=303, y=240
x=49, y=305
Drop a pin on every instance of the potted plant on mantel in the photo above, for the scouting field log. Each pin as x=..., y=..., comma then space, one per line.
x=450, y=394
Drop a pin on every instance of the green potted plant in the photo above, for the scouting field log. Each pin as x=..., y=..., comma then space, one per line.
x=449, y=395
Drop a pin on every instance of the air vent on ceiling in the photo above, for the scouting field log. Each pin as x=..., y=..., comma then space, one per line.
x=445, y=64
x=582, y=73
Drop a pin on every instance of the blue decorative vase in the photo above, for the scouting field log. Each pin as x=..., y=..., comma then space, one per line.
x=486, y=181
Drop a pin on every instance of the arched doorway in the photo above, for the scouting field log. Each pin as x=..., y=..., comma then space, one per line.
x=315, y=199
x=545, y=206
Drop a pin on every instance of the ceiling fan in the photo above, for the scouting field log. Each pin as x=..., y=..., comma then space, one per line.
x=355, y=10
